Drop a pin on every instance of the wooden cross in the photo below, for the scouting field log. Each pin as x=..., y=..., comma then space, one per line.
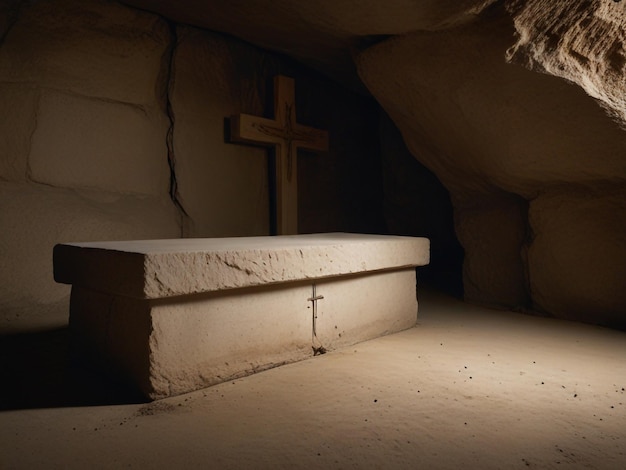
x=287, y=136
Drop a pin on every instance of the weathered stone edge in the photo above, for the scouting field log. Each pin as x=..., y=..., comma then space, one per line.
x=159, y=275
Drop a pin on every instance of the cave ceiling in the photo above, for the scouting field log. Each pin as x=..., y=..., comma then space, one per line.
x=323, y=34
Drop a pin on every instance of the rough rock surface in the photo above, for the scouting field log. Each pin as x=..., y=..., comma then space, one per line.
x=82, y=150
x=204, y=89
x=583, y=41
x=506, y=141
x=479, y=122
x=498, y=135
x=528, y=396
x=97, y=48
x=90, y=72
x=155, y=269
x=320, y=33
x=492, y=230
x=577, y=260
x=78, y=140
x=35, y=217
x=178, y=315
x=417, y=204
x=116, y=130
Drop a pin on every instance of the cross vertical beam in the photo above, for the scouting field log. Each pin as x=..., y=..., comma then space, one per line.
x=317, y=350
x=286, y=136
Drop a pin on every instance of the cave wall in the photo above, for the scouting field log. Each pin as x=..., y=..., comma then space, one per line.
x=517, y=106
x=82, y=154
x=417, y=204
x=535, y=167
x=113, y=128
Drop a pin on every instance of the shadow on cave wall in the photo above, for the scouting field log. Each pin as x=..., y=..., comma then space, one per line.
x=417, y=204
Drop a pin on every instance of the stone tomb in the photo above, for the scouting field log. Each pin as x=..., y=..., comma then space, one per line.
x=178, y=315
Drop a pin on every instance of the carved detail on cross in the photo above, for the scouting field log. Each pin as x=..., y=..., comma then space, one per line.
x=287, y=136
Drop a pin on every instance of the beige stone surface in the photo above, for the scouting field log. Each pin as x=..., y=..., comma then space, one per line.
x=96, y=48
x=360, y=307
x=83, y=81
x=103, y=118
x=154, y=269
x=95, y=144
x=182, y=344
x=82, y=142
x=485, y=127
x=495, y=133
x=200, y=341
x=321, y=33
x=493, y=233
x=577, y=261
x=481, y=124
x=590, y=49
x=35, y=217
x=467, y=388
x=222, y=186
x=177, y=315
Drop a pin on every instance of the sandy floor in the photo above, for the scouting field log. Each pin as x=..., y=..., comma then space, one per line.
x=467, y=388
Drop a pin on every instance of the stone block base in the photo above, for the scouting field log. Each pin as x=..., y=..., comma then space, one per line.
x=177, y=315
x=171, y=346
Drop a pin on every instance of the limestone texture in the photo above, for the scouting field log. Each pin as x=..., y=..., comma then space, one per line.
x=479, y=123
x=396, y=402
x=83, y=152
x=587, y=45
x=115, y=126
x=500, y=137
x=205, y=89
x=128, y=100
x=96, y=48
x=152, y=269
x=320, y=33
x=34, y=218
x=416, y=203
x=181, y=344
x=493, y=232
x=84, y=143
x=178, y=315
x=577, y=260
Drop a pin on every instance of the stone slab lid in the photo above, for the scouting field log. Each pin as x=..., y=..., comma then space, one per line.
x=152, y=269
